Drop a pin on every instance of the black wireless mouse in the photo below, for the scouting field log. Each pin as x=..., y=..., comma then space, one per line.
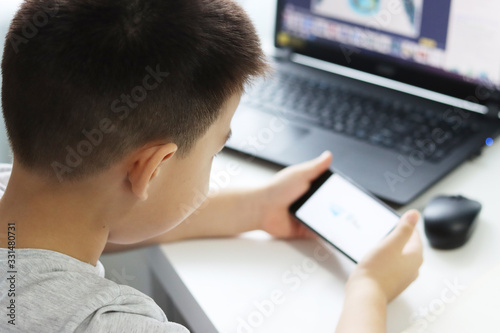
x=450, y=220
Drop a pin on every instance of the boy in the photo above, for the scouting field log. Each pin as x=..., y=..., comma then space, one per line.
x=114, y=111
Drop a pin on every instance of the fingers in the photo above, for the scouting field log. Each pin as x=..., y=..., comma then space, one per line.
x=305, y=232
x=400, y=236
x=313, y=168
x=414, y=244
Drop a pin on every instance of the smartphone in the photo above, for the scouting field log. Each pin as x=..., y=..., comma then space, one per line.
x=345, y=215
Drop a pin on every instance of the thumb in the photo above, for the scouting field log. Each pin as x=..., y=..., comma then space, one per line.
x=313, y=168
x=403, y=231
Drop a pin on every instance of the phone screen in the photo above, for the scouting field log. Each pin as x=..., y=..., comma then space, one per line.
x=347, y=217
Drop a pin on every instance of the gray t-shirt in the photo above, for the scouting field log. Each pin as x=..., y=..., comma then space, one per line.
x=53, y=292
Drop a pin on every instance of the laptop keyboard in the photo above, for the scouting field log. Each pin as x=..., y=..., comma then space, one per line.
x=380, y=121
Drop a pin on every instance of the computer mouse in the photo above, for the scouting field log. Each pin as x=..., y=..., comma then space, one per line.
x=450, y=220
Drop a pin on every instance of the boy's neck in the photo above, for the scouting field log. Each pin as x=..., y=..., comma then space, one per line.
x=57, y=218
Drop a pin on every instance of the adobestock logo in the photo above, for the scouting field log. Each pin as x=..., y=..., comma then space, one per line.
x=406, y=165
x=426, y=315
x=291, y=280
x=32, y=27
x=120, y=108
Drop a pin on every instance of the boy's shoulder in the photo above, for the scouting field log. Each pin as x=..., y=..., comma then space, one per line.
x=51, y=292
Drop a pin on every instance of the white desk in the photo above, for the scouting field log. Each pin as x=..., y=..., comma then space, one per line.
x=218, y=284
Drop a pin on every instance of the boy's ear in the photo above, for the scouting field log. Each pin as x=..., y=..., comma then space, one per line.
x=145, y=166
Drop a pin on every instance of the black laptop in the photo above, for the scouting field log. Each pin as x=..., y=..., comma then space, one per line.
x=401, y=91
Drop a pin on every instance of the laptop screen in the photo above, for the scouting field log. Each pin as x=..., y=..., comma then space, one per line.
x=458, y=40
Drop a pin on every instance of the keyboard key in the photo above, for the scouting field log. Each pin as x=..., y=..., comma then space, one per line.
x=338, y=127
x=361, y=134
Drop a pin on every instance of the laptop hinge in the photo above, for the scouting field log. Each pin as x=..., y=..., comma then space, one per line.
x=283, y=54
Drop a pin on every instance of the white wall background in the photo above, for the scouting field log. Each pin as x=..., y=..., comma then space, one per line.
x=7, y=11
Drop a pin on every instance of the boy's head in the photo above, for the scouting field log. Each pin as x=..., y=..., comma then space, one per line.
x=85, y=82
x=89, y=84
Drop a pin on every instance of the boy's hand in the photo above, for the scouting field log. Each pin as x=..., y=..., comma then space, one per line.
x=394, y=264
x=284, y=189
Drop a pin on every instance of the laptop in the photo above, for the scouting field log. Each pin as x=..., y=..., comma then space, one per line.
x=400, y=91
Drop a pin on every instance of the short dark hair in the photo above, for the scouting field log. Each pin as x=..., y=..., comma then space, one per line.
x=86, y=82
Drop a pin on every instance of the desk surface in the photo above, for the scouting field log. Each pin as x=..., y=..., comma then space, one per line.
x=257, y=284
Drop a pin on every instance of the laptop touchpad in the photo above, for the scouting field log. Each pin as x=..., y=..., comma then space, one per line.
x=256, y=132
